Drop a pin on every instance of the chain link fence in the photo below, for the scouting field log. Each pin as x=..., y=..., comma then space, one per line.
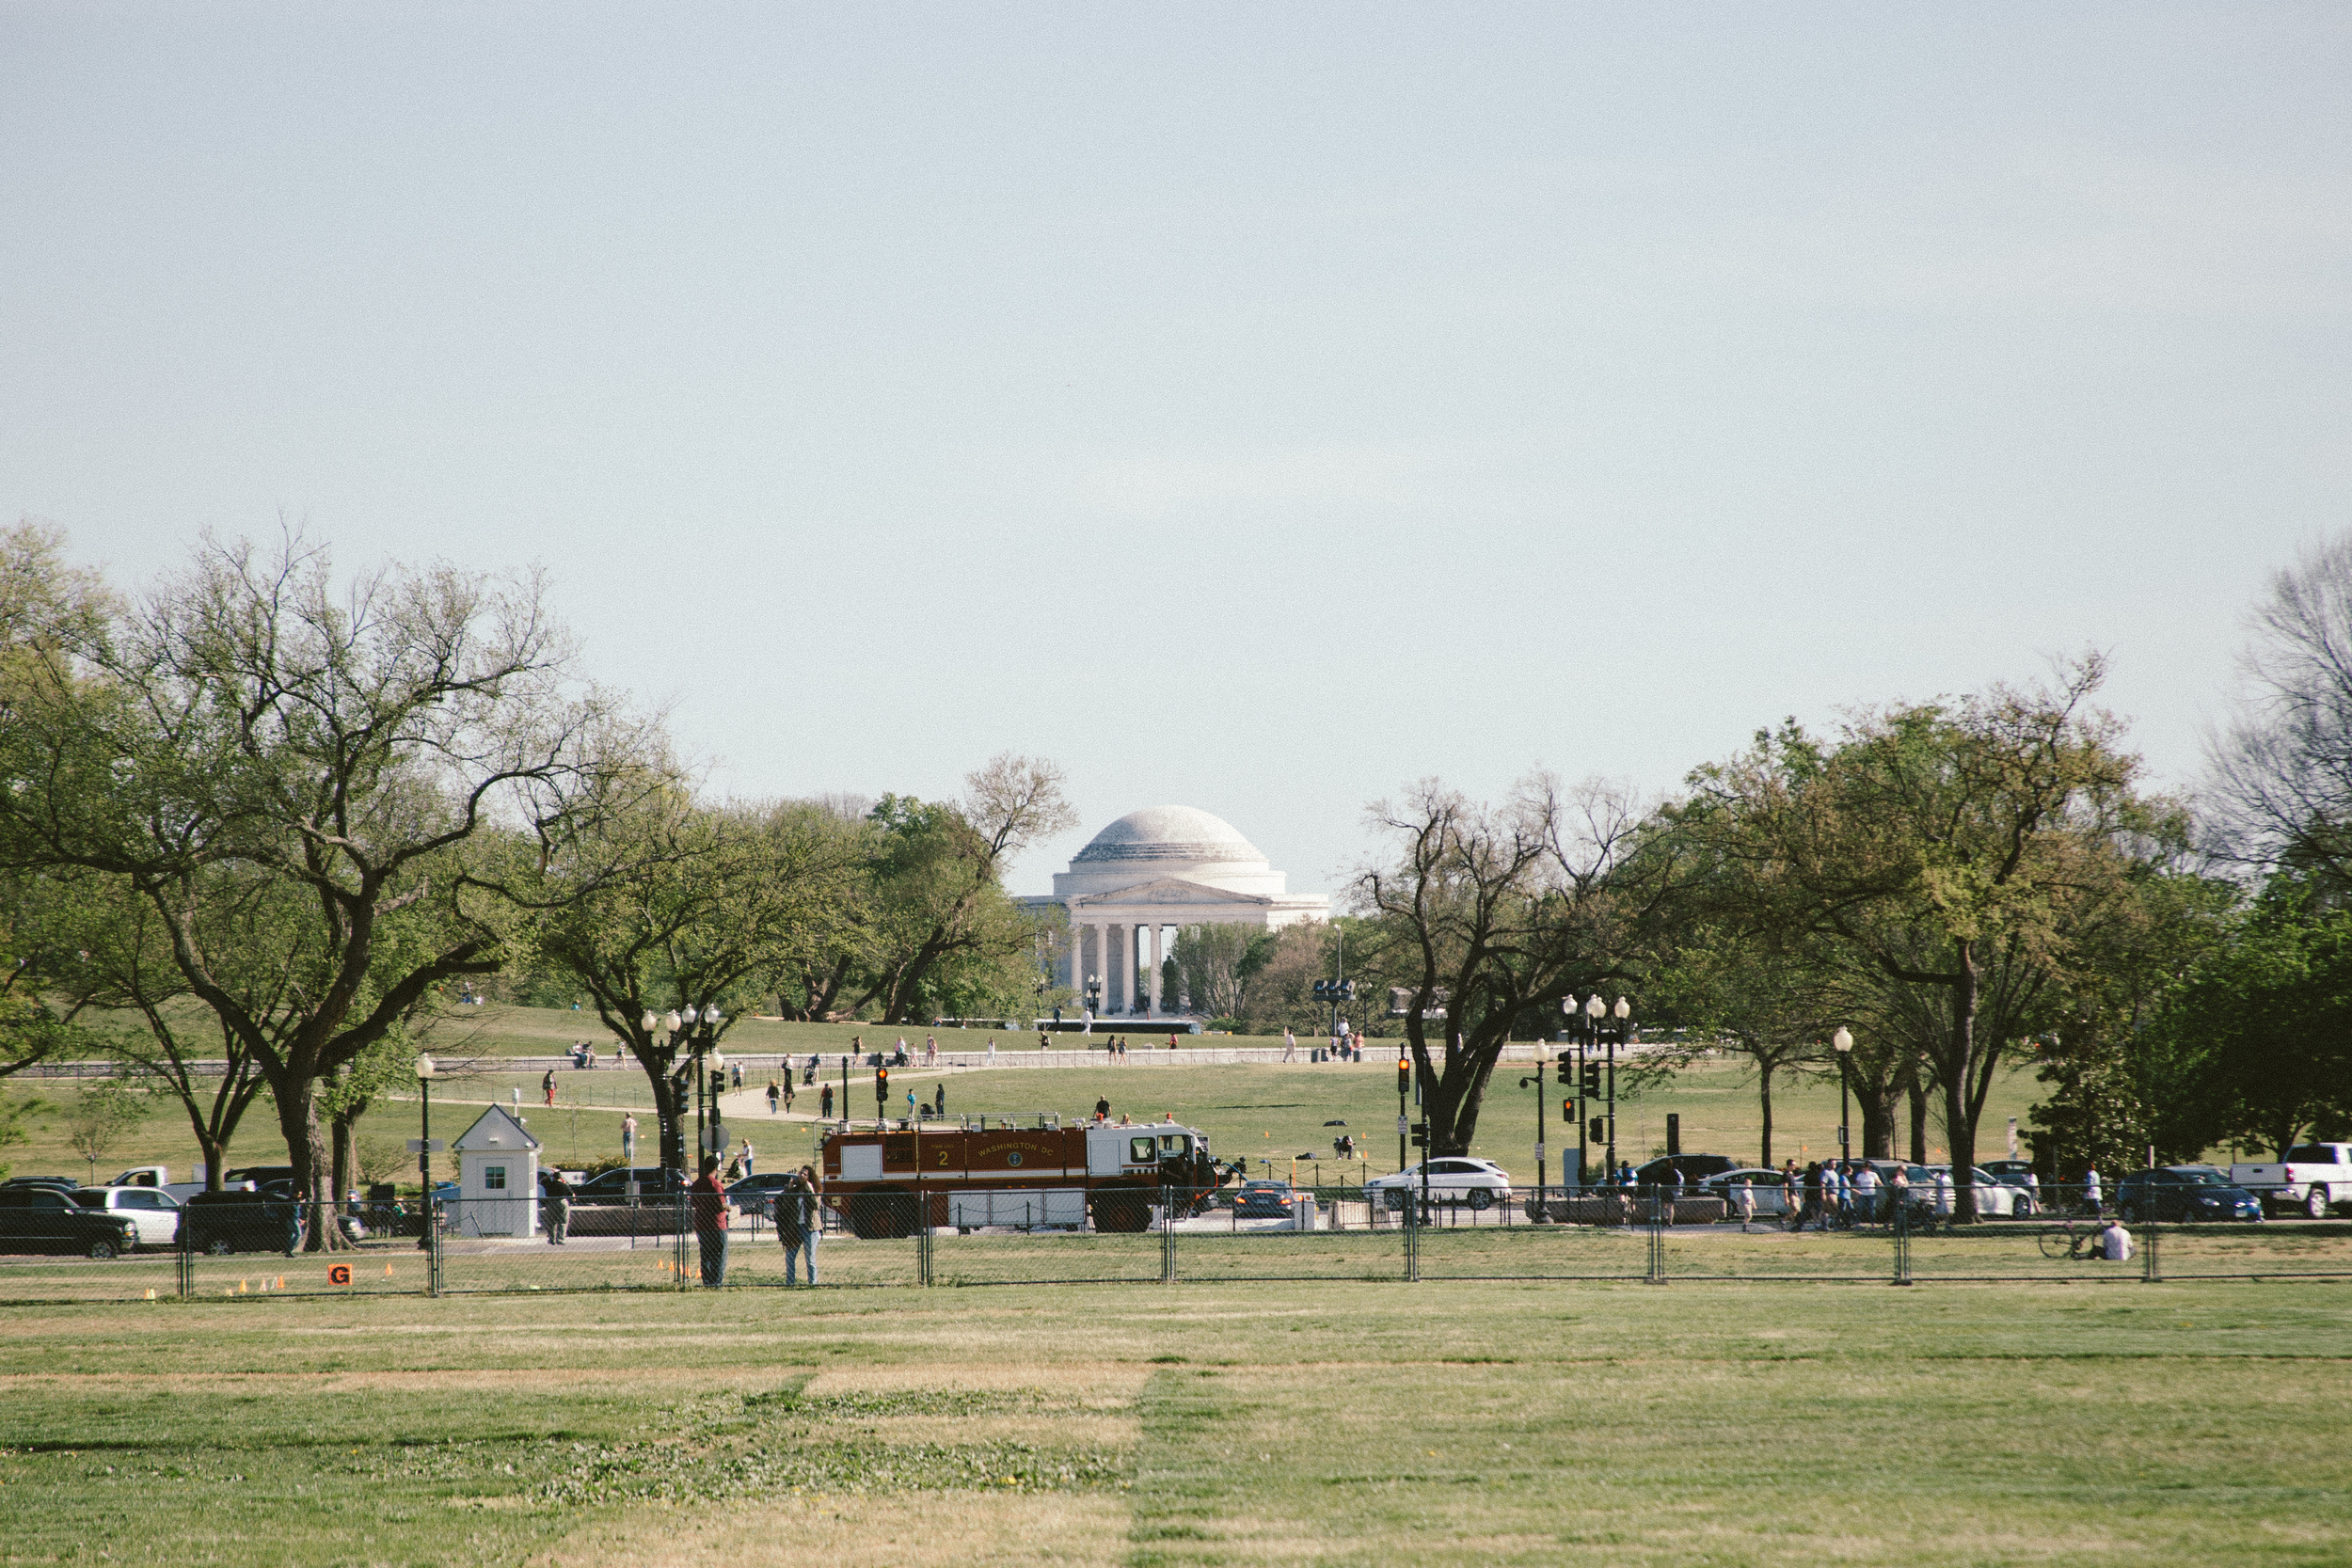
x=242, y=1244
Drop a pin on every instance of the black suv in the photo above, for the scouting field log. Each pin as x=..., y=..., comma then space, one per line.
x=2188, y=1193
x=43, y=1219
x=223, y=1222
x=612, y=1187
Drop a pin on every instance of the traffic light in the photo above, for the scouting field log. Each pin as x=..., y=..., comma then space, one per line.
x=1600, y=1129
x=1404, y=1075
x=1592, y=1080
x=881, y=1085
x=718, y=1082
x=1568, y=1111
x=1421, y=1134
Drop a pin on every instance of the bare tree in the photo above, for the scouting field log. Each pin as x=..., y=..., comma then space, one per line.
x=2284, y=768
x=1492, y=915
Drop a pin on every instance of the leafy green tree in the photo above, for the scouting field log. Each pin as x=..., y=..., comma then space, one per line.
x=406, y=751
x=936, y=880
x=1972, y=850
x=723, y=903
x=2255, y=1045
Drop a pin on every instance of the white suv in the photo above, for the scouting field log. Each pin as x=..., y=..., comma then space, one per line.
x=1453, y=1178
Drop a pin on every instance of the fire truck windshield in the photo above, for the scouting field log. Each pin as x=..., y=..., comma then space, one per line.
x=1173, y=1143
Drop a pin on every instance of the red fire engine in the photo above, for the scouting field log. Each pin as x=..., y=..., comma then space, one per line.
x=995, y=1171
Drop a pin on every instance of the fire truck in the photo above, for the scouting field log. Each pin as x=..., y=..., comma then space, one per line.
x=1036, y=1175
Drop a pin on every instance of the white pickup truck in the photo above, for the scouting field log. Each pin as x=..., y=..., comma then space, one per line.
x=2311, y=1178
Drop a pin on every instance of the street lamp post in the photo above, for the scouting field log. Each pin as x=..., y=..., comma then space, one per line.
x=1843, y=1042
x=425, y=1069
x=1538, y=1081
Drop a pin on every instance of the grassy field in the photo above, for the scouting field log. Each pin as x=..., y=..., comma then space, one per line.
x=1244, y=1424
x=1270, y=1112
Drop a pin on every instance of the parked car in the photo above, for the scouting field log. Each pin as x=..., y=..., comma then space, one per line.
x=612, y=1187
x=56, y=1183
x=154, y=1213
x=2009, y=1173
x=757, y=1194
x=1262, y=1200
x=1771, y=1197
x=42, y=1219
x=1479, y=1183
x=260, y=1176
x=223, y=1222
x=1695, y=1168
x=2186, y=1193
x=2312, y=1178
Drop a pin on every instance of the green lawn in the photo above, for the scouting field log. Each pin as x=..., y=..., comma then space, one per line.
x=1143, y=1425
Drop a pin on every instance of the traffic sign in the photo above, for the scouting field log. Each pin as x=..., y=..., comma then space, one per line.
x=427, y=1146
x=339, y=1274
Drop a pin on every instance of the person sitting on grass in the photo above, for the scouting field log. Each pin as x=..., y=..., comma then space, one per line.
x=2115, y=1243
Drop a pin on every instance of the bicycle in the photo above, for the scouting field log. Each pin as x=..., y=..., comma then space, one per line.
x=2070, y=1239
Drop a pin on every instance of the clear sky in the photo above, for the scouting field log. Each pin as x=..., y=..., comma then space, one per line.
x=1251, y=406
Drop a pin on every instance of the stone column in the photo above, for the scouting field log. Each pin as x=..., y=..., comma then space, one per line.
x=1118, y=993
x=1156, y=961
x=1077, y=962
x=1103, y=962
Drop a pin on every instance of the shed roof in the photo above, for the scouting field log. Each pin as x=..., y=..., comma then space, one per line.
x=496, y=1130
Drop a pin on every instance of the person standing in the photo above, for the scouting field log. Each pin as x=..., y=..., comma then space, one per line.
x=788, y=1088
x=747, y=1157
x=628, y=1139
x=558, y=1195
x=1744, y=1196
x=2033, y=1192
x=1865, y=1188
x=931, y=1050
x=775, y=1097
x=796, y=1224
x=939, y=1100
x=2092, y=1193
x=1290, y=1046
x=708, y=1195
x=824, y=1103
x=992, y=1051
x=1944, y=1194
x=737, y=1068
x=547, y=1085
x=909, y=1104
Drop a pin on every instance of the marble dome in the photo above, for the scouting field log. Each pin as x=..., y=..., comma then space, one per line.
x=1170, y=833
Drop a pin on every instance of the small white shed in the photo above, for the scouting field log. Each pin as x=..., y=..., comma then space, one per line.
x=498, y=1178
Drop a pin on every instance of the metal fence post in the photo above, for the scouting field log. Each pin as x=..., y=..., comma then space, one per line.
x=2151, y=1271
x=184, y=1260
x=922, y=1246
x=432, y=1228
x=1168, y=1236
x=1412, y=1238
x=1660, y=1215
x=1902, y=1243
x=680, y=1217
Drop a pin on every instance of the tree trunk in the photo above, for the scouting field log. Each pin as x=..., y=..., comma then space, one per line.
x=1877, y=1120
x=306, y=1145
x=1960, y=1122
x=1764, y=1099
x=1918, y=1097
x=216, y=1157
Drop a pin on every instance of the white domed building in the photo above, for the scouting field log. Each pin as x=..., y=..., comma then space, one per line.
x=1158, y=870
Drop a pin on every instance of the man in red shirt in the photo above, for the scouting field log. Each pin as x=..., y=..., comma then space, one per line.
x=708, y=1195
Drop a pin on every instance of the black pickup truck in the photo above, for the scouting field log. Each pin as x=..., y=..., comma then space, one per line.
x=42, y=1219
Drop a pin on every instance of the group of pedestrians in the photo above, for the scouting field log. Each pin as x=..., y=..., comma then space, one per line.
x=798, y=1222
